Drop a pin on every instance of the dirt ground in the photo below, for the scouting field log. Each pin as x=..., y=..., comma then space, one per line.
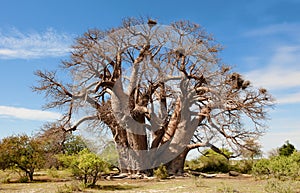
x=220, y=183
x=61, y=181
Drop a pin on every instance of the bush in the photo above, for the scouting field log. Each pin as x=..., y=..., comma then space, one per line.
x=214, y=162
x=280, y=167
x=86, y=166
x=210, y=162
x=193, y=164
x=243, y=166
x=261, y=168
x=161, y=172
x=23, y=179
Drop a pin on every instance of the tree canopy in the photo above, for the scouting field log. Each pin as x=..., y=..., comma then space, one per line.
x=286, y=149
x=22, y=152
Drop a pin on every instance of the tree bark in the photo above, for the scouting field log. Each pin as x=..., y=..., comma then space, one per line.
x=176, y=166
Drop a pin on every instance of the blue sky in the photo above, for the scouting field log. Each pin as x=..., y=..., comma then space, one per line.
x=261, y=40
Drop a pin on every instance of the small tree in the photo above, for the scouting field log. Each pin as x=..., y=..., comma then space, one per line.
x=85, y=165
x=56, y=141
x=286, y=149
x=23, y=152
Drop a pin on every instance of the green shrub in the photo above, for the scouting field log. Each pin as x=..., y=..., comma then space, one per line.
x=280, y=167
x=243, y=166
x=210, y=162
x=193, y=164
x=110, y=154
x=161, y=172
x=23, y=179
x=261, y=168
x=85, y=165
x=214, y=162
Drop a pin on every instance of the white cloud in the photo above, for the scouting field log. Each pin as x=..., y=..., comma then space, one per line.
x=275, y=77
x=28, y=114
x=283, y=29
x=282, y=70
x=18, y=45
x=289, y=99
x=281, y=74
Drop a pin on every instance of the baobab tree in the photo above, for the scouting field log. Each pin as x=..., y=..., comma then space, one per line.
x=160, y=90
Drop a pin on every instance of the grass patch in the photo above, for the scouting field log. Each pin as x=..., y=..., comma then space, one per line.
x=72, y=187
x=61, y=182
x=114, y=187
x=279, y=186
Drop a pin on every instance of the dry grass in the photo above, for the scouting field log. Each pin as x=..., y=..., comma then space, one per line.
x=64, y=184
x=190, y=185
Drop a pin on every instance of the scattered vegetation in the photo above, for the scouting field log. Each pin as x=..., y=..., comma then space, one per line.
x=275, y=185
x=161, y=172
x=279, y=167
x=86, y=166
x=210, y=162
x=243, y=166
x=225, y=188
x=278, y=173
x=69, y=188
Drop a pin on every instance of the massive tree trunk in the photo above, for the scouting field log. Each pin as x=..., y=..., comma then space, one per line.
x=135, y=153
x=138, y=152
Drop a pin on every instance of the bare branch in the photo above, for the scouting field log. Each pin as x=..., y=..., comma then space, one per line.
x=82, y=120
